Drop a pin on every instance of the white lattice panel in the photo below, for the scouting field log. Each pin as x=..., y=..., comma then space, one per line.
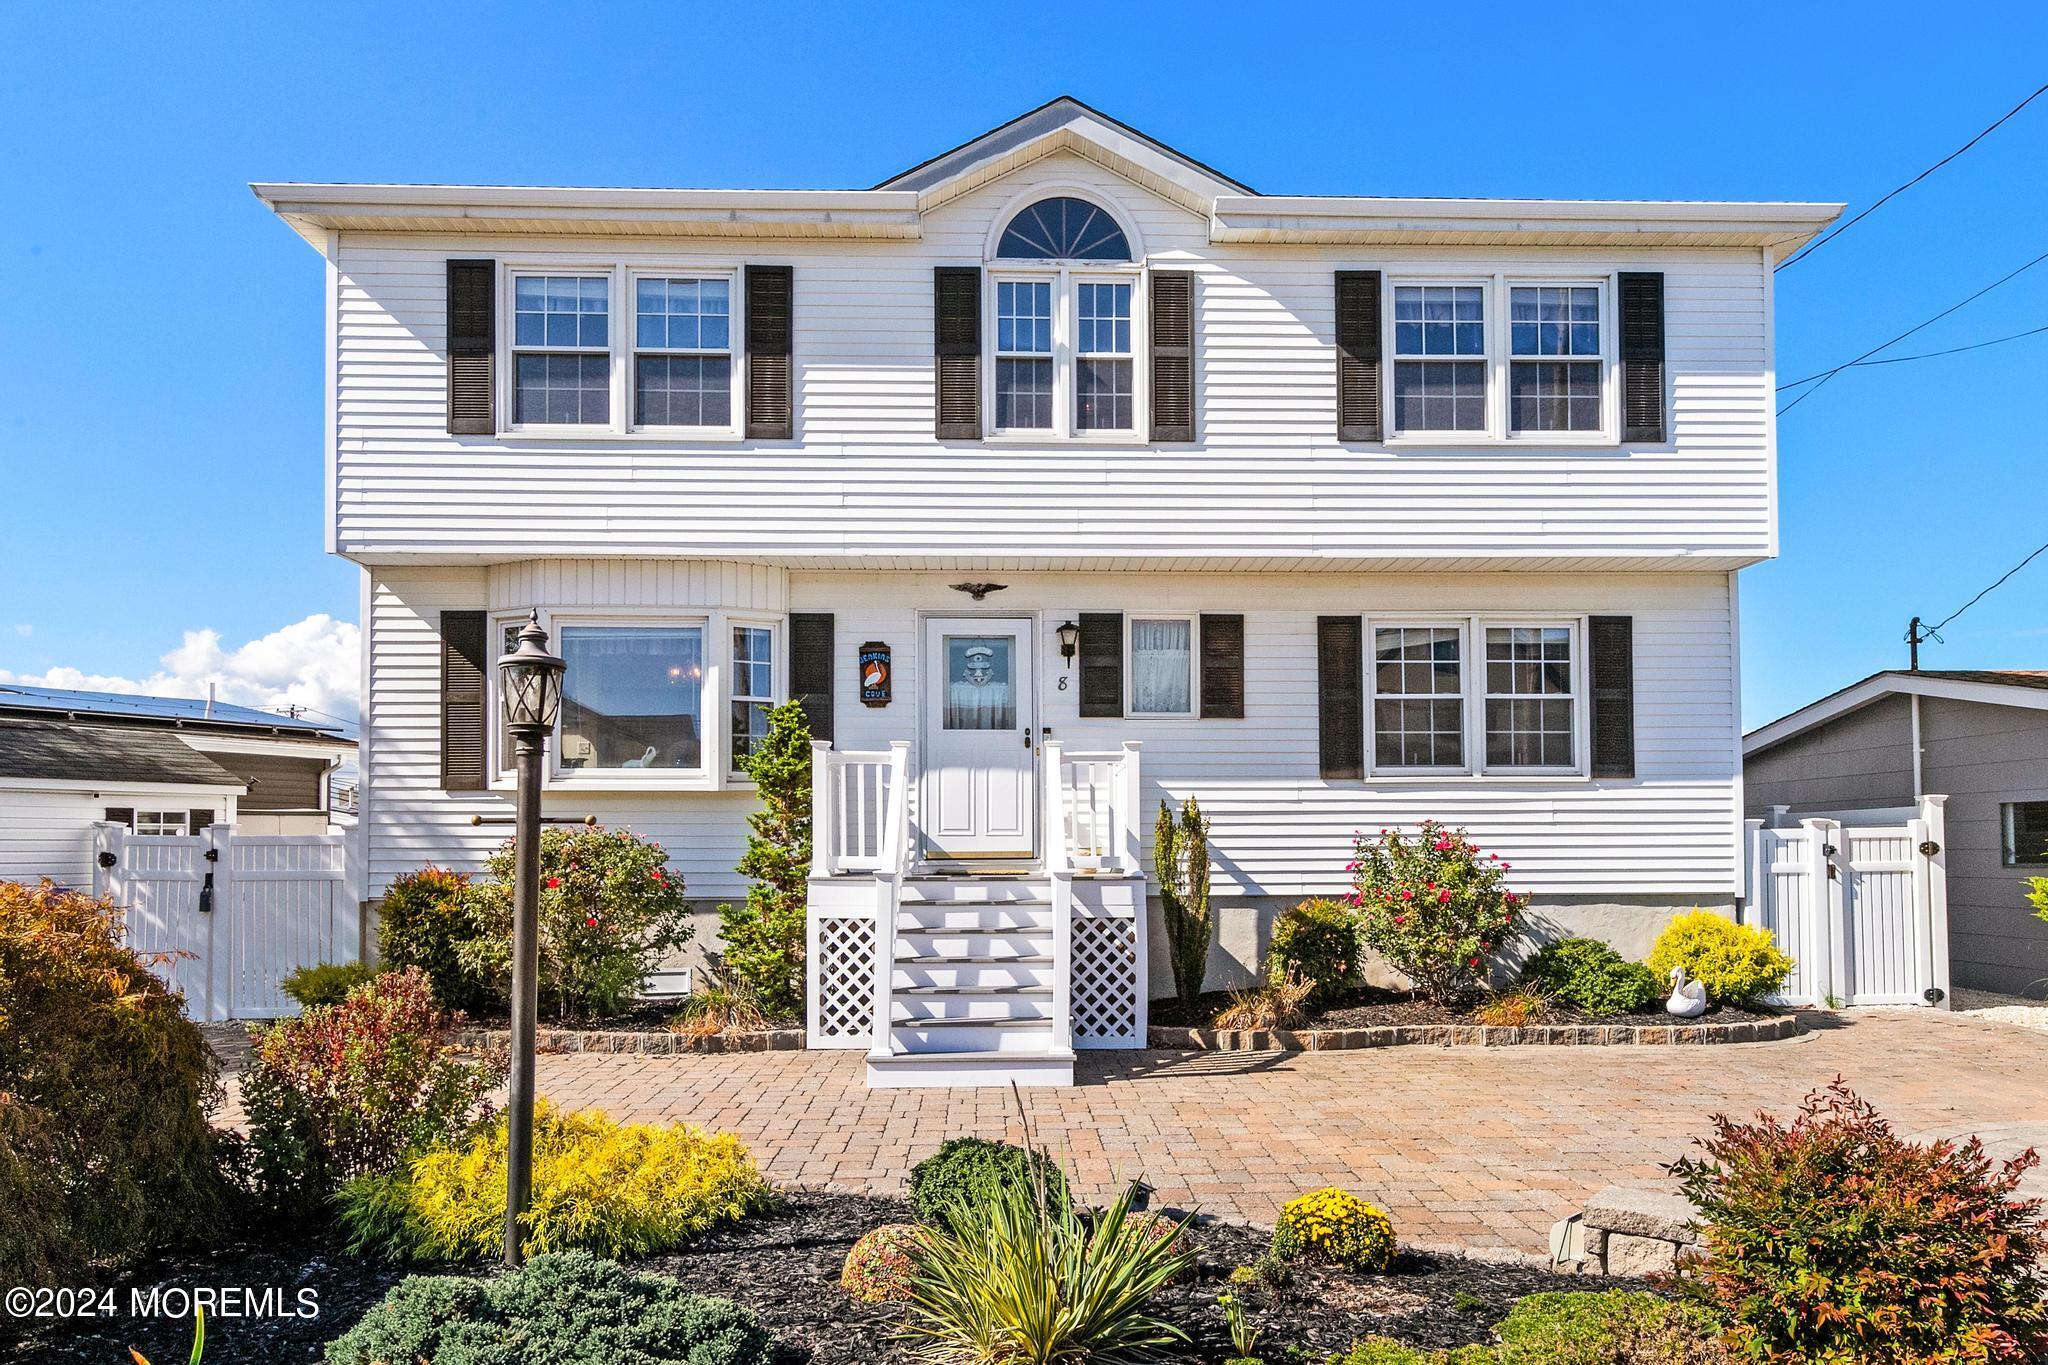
x=842, y=982
x=1105, y=982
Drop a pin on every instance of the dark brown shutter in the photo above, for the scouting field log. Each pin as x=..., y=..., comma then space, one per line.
x=1222, y=667
x=1102, y=663
x=811, y=647
x=123, y=816
x=463, y=661
x=200, y=820
x=1358, y=355
x=1612, y=656
x=1340, y=682
x=956, y=349
x=1642, y=355
x=472, y=344
x=771, y=407
x=1173, y=355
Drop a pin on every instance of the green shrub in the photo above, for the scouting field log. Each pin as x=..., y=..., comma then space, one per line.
x=963, y=1170
x=1736, y=963
x=326, y=984
x=598, y=1185
x=1432, y=906
x=763, y=940
x=1317, y=941
x=564, y=1309
x=104, y=1087
x=878, y=1268
x=1832, y=1240
x=1385, y=1351
x=1614, y=1327
x=1591, y=977
x=1014, y=1279
x=1332, y=1225
x=422, y=922
x=1180, y=857
x=345, y=1090
x=610, y=911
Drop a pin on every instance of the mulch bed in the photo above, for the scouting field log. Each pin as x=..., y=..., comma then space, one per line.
x=1375, y=1006
x=785, y=1266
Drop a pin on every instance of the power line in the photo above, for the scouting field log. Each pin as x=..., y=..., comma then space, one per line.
x=1924, y=355
x=1822, y=379
x=1823, y=240
x=1980, y=596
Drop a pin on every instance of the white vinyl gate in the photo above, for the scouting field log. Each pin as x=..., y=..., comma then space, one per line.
x=278, y=902
x=1862, y=909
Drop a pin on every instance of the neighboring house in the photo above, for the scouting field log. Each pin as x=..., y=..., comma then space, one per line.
x=1350, y=511
x=1978, y=737
x=159, y=765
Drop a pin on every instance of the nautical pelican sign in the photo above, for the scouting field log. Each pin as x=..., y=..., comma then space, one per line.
x=875, y=673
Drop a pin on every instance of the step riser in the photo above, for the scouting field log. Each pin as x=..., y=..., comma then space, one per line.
x=970, y=1038
x=963, y=1072
x=946, y=946
x=1002, y=1008
x=949, y=891
x=974, y=919
x=971, y=974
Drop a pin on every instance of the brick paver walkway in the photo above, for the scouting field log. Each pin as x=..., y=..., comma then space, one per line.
x=1482, y=1148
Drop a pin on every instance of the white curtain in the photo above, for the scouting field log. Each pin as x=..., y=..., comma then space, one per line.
x=1162, y=666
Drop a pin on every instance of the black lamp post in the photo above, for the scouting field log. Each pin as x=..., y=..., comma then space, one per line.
x=530, y=689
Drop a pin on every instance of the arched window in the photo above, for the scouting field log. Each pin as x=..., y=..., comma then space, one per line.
x=1063, y=229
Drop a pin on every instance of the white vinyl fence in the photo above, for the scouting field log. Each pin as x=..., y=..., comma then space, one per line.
x=1862, y=908
x=276, y=903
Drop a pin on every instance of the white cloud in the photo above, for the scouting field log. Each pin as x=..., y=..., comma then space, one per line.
x=315, y=663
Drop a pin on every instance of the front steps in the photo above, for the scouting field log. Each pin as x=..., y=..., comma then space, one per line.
x=972, y=986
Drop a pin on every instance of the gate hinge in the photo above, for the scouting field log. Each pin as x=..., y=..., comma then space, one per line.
x=1928, y=848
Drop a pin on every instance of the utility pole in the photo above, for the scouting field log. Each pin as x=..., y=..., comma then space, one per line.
x=1913, y=639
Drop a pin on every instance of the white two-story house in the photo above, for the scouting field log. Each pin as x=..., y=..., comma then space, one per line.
x=1059, y=475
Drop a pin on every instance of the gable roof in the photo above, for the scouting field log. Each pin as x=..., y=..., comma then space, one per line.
x=50, y=750
x=1066, y=124
x=2022, y=687
x=182, y=711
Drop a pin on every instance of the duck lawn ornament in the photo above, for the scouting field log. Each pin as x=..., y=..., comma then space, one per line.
x=1688, y=998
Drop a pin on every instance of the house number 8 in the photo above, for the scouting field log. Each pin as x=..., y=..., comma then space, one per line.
x=1063, y=682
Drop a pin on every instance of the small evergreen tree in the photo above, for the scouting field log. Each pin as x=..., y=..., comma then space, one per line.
x=1180, y=853
x=764, y=938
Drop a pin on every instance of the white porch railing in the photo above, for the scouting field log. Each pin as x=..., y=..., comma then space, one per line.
x=1094, y=822
x=860, y=823
x=1093, y=828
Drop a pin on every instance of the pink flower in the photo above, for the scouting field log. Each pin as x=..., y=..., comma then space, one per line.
x=1442, y=845
x=1443, y=897
x=1407, y=895
x=1400, y=919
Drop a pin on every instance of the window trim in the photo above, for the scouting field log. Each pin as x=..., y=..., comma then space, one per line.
x=508, y=323
x=623, y=333
x=1499, y=433
x=1464, y=626
x=734, y=379
x=1489, y=319
x=2008, y=837
x=1194, y=711
x=1575, y=634
x=183, y=823
x=1473, y=626
x=1066, y=280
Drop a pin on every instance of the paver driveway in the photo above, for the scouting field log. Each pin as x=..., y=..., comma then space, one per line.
x=1481, y=1148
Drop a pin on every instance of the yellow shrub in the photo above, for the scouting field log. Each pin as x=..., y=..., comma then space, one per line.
x=609, y=1188
x=1335, y=1226
x=1735, y=962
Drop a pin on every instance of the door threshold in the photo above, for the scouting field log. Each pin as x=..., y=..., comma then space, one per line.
x=998, y=867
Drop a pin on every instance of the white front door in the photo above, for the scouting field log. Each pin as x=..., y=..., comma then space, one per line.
x=978, y=789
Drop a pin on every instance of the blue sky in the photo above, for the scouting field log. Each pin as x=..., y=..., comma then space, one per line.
x=160, y=363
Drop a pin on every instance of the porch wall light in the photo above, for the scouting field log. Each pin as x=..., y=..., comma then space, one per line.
x=1070, y=640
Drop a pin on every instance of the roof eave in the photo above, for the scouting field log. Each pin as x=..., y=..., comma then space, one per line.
x=1304, y=219
x=1878, y=686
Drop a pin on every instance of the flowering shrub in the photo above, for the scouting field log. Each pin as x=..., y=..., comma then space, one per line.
x=1591, y=977
x=1831, y=1240
x=345, y=1090
x=104, y=1086
x=1432, y=906
x=598, y=1185
x=1735, y=962
x=421, y=922
x=610, y=910
x=1334, y=1226
x=878, y=1269
x=1317, y=941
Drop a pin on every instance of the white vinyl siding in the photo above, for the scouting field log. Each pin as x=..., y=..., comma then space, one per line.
x=1269, y=485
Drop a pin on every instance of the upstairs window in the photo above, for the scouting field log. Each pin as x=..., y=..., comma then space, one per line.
x=1063, y=229
x=1102, y=367
x=1024, y=367
x=1555, y=353
x=561, y=361
x=1439, y=357
x=1064, y=333
x=682, y=352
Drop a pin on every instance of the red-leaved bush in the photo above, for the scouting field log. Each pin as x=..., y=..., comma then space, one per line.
x=1831, y=1241
x=346, y=1090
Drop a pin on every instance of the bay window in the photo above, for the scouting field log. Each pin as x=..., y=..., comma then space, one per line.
x=632, y=698
x=753, y=689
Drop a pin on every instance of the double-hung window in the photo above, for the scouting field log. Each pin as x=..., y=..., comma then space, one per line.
x=1439, y=358
x=1531, y=698
x=561, y=350
x=1024, y=355
x=1162, y=655
x=682, y=351
x=753, y=689
x=1102, y=365
x=1555, y=358
x=1418, y=706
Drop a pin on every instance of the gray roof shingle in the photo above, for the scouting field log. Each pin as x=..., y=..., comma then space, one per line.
x=60, y=751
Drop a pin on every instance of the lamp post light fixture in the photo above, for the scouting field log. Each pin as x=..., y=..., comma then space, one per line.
x=1070, y=640
x=530, y=689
